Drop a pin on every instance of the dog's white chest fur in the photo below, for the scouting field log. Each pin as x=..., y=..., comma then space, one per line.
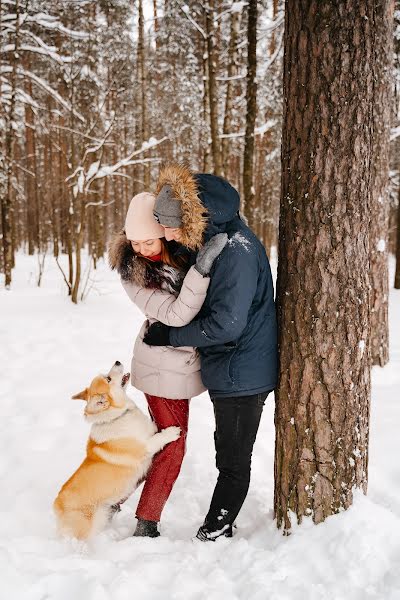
x=132, y=423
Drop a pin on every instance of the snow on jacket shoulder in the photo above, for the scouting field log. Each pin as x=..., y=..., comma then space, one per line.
x=162, y=294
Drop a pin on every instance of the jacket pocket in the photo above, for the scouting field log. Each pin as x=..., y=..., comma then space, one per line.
x=216, y=367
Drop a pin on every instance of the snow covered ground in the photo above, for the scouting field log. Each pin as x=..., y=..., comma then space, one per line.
x=51, y=349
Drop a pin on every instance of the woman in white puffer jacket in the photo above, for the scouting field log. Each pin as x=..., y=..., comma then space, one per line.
x=155, y=281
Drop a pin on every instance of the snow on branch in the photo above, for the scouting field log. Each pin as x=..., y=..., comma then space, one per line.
x=275, y=54
x=85, y=177
x=237, y=7
x=38, y=50
x=44, y=85
x=233, y=78
x=274, y=25
x=186, y=10
x=125, y=162
x=257, y=131
x=100, y=203
x=51, y=22
x=75, y=131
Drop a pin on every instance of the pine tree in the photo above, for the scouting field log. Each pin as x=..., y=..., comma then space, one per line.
x=323, y=398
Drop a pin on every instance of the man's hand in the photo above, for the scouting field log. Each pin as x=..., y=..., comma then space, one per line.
x=157, y=335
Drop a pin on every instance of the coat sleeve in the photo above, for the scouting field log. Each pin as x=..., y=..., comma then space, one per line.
x=166, y=307
x=232, y=290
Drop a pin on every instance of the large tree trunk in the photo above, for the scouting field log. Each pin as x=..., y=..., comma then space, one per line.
x=380, y=178
x=252, y=208
x=323, y=398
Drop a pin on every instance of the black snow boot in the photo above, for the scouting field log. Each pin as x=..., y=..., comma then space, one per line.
x=204, y=534
x=146, y=529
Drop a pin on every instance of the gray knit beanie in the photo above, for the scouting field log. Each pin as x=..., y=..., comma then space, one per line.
x=167, y=209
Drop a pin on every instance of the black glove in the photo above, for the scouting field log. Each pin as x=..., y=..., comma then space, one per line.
x=157, y=335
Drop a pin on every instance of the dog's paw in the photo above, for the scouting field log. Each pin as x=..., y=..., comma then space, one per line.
x=172, y=434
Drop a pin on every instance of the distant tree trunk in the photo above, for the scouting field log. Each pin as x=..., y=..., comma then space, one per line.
x=212, y=88
x=252, y=208
x=54, y=200
x=67, y=214
x=272, y=44
x=380, y=179
x=78, y=244
x=230, y=87
x=7, y=197
x=32, y=192
x=142, y=79
x=259, y=183
x=206, y=109
x=323, y=397
x=156, y=24
x=397, y=274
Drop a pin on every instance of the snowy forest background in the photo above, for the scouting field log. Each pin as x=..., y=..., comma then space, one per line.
x=96, y=95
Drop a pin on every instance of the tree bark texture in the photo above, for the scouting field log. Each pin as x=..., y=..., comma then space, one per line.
x=397, y=273
x=252, y=208
x=383, y=49
x=323, y=396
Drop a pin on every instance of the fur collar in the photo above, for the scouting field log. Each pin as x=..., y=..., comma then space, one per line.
x=194, y=214
x=137, y=269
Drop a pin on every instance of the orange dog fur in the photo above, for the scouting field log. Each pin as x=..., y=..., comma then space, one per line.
x=119, y=451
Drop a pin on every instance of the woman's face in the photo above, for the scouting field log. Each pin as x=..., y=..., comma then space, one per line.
x=147, y=248
x=173, y=233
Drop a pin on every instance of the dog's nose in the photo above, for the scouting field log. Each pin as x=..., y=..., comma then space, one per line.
x=117, y=363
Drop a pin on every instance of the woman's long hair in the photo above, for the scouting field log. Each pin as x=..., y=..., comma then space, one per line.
x=168, y=258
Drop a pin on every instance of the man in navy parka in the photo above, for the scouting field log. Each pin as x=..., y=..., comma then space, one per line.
x=235, y=331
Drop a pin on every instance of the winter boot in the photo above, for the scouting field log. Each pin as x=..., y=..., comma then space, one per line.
x=204, y=534
x=146, y=529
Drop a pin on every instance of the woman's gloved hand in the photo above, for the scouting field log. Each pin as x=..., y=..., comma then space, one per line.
x=209, y=252
x=157, y=335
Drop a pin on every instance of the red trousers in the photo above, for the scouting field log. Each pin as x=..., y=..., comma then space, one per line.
x=166, y=464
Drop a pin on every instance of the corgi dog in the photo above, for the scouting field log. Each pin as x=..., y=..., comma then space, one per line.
x=119, y=452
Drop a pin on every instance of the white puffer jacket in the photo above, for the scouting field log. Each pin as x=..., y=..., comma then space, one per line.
x=162, y=294
x=163, y=370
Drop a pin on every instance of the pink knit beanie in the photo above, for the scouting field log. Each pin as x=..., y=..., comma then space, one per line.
x=140, y=223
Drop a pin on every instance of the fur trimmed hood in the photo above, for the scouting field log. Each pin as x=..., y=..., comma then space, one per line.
x=137, y=269
x=208, y=202
x=194, y=214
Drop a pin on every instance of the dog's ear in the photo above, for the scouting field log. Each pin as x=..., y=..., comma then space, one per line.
x=84, y=395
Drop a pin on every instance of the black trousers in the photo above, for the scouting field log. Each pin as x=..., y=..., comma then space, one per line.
x=236, y=426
